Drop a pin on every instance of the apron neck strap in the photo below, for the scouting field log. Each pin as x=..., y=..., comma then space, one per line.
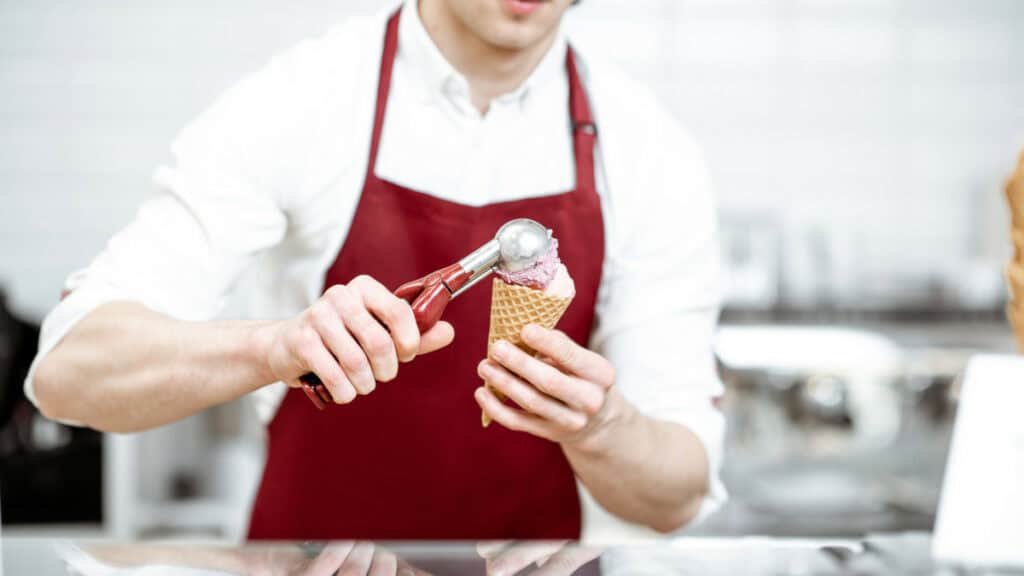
x=387, y=65
x=584, y=129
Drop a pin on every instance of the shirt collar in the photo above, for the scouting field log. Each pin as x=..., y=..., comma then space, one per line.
x=442, y=79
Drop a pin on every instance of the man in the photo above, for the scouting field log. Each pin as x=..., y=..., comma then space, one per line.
x=369, y=157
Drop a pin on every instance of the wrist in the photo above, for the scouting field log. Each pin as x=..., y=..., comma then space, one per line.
x=616, y=417
x=257, y=350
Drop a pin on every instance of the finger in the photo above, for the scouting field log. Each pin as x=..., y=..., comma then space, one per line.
x=567, y=561
x=330, y=559
x=375, y=342
x=395, y=313
x=530, y=398
x=519, y=556
x=349, y=355
x=359, y=560
x=491, y=548
x=511, y=418
x=384, y=564
x=319, y=361
x=581, y=394
x=328, y=323
x=439, y=336
x=406, y=569
x=347, y=305
x=572, y=357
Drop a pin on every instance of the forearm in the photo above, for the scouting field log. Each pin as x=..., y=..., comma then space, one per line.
x=646, y=471
x=125, y=368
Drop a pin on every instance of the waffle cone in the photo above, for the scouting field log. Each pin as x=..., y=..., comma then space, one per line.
x=1015, y=279
x=1015, y=194
x=1015, y=313
x=512, y=308
x=1015, y=199
x=1015, y=269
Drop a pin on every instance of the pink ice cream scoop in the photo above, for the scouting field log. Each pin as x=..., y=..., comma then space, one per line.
x=540, y=274
x=547, y=273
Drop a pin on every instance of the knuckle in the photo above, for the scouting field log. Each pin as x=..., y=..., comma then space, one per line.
x=568, y=351
x=333, y=381
x=365, y=283
x=350, y=307
x=551, y=383
x=533, y=403
x=409, y=345
x=592, y=404
x=577, y=424
x=610, y=373
x=321, y=314
x=378, y=344
x=397, y=310
x=353, y=361
x=336, y=293
x=513, y=424
x=306, y=339
x=514, y=359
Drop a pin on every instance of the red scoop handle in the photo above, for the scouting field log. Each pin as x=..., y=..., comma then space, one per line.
x=428, y=296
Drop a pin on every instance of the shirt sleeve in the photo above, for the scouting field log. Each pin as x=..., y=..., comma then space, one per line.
x=658, y=305
x=216, y=206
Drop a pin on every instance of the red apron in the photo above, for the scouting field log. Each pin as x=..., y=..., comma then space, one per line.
x=411, y=461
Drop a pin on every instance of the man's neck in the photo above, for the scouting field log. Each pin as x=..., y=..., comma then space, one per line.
x=490, y=70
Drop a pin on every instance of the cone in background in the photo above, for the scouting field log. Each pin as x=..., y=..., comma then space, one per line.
x=1015, y=279
x=1015, y=198
x=512, y=308
x=1015, y=269
x=1015, y=313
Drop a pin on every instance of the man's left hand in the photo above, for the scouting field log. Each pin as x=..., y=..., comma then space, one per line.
x=564, y=394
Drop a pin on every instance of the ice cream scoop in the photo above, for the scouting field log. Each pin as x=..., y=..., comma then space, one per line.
x=561, y=284
x=517, y=246
x=540, y=274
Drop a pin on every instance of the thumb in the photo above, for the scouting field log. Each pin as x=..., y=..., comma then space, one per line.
x=439, y=336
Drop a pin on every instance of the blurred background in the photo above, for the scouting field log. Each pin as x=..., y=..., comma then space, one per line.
x=858, y=149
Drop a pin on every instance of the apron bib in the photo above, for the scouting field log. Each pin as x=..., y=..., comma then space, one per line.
x=411, y=461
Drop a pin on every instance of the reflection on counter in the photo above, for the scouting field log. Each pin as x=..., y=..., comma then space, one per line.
x=888, y=555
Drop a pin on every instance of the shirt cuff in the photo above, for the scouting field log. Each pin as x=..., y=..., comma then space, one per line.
x=708, y=425
x=68, y=313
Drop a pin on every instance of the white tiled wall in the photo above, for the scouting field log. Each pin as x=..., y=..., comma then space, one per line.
x=887, y=123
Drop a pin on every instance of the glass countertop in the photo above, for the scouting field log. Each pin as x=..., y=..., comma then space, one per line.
x=906, y=553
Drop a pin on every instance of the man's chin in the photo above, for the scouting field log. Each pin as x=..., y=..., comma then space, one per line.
x=513, y=34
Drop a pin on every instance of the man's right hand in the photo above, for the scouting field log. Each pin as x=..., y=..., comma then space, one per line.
x=354, y=336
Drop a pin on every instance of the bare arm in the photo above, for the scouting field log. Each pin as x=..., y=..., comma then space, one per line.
x=647, y=471
x=644, y=470
x=125, y=368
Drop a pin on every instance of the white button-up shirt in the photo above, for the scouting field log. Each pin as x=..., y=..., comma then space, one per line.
x=267, y=181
